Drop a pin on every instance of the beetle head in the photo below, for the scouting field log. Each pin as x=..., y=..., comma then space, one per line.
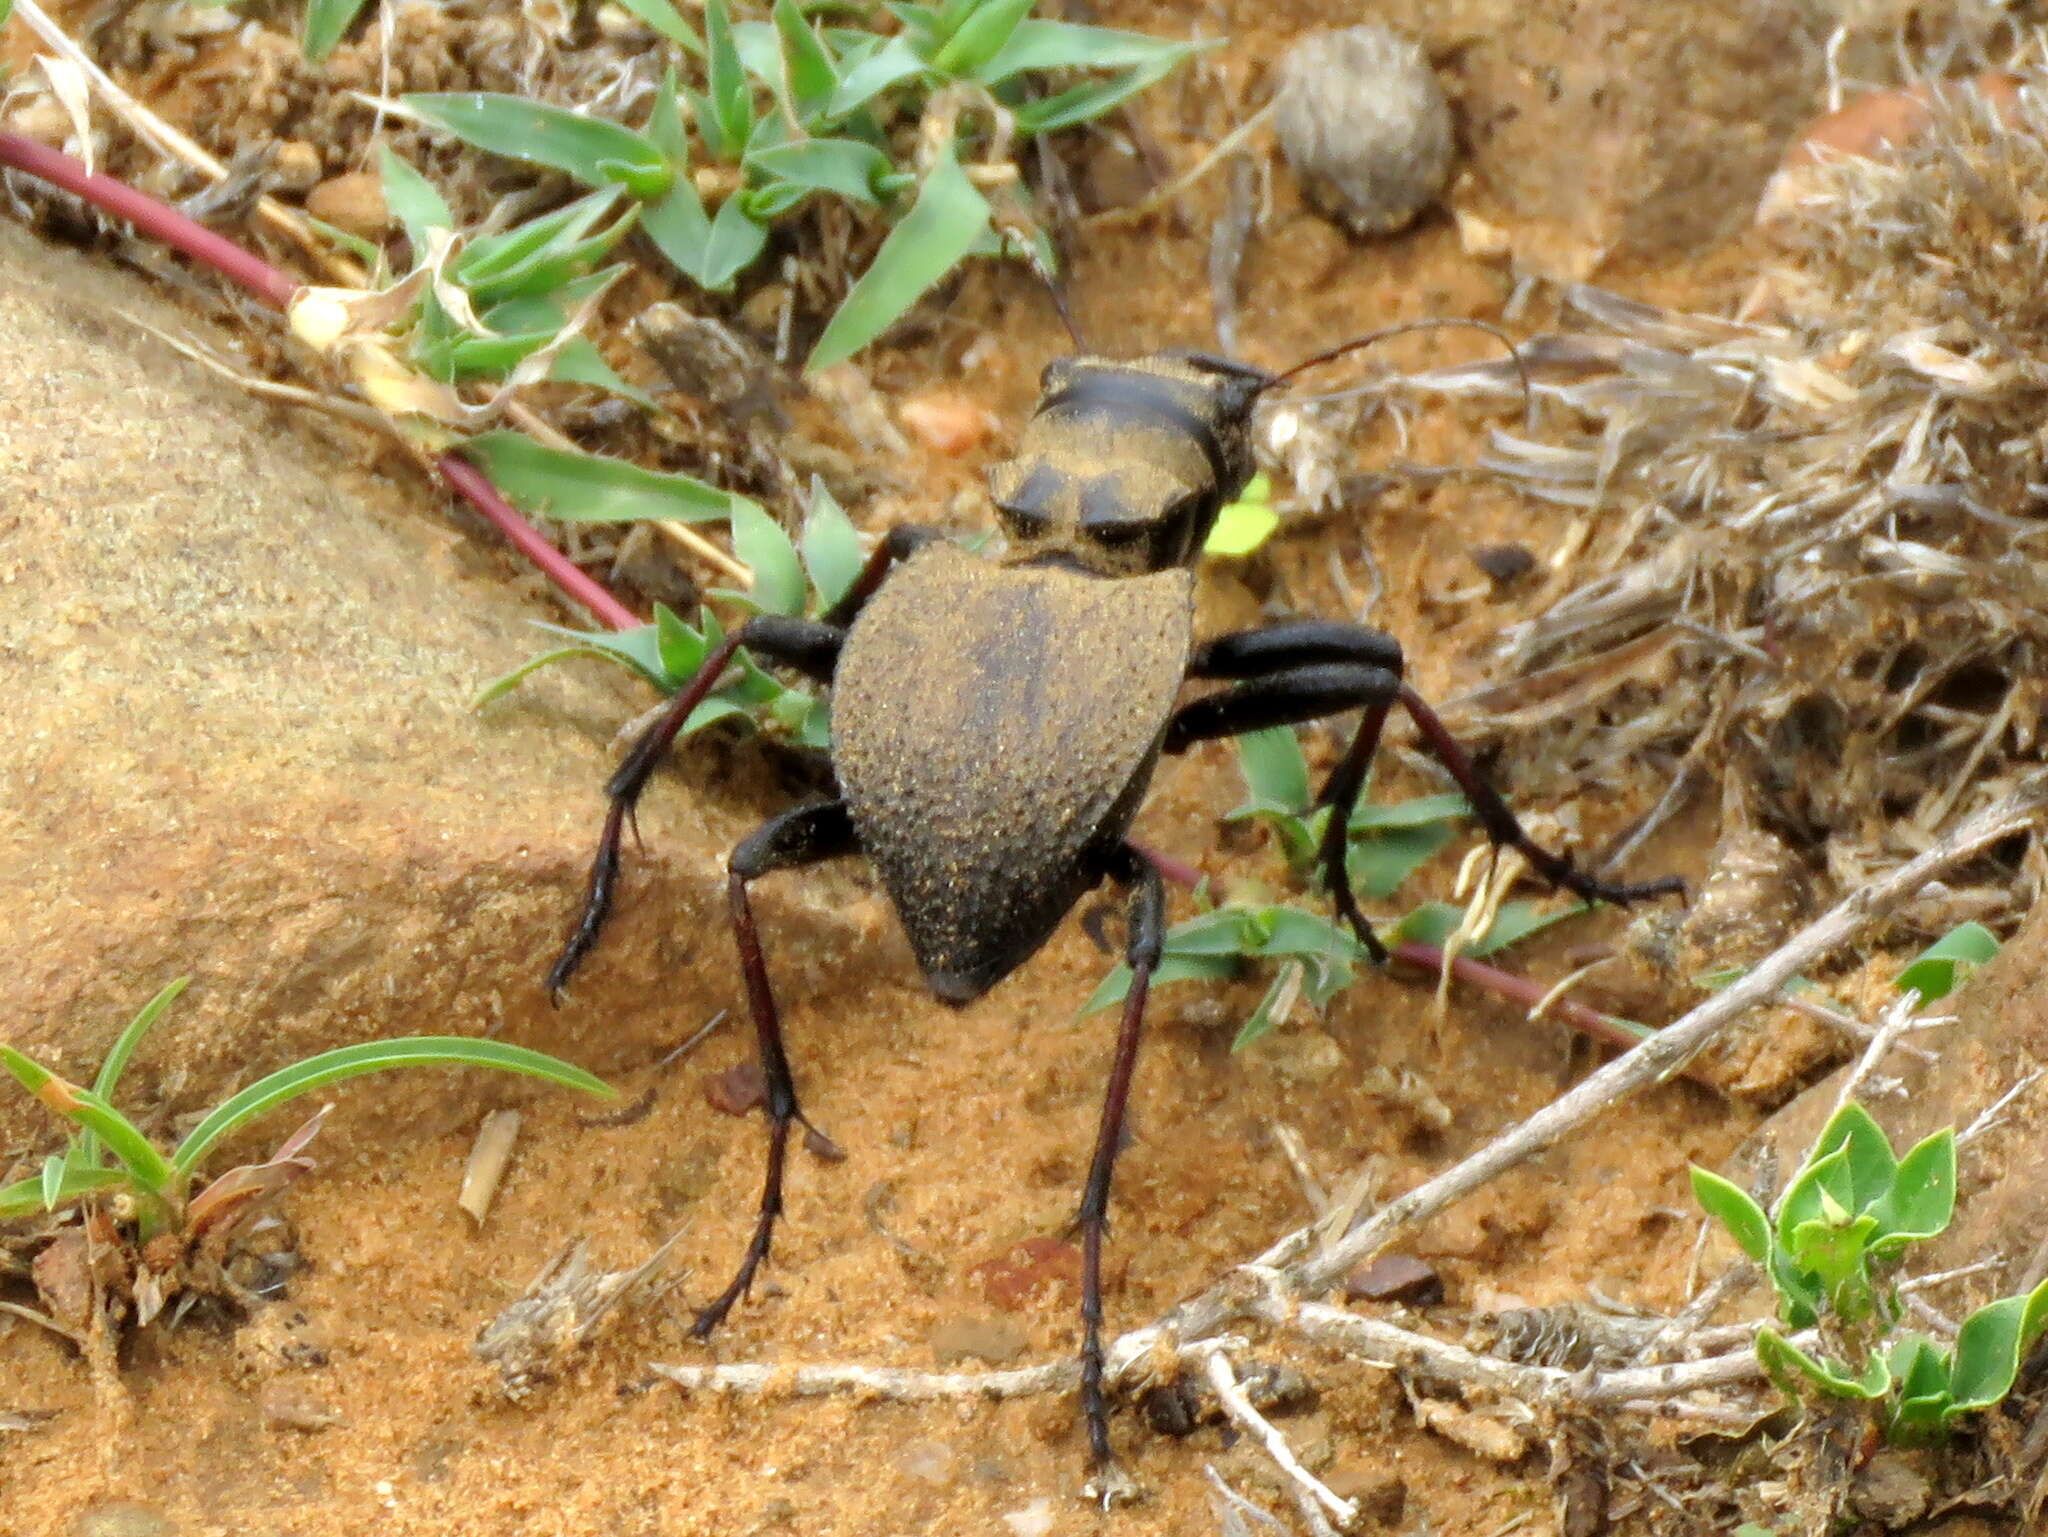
x=1126, y=463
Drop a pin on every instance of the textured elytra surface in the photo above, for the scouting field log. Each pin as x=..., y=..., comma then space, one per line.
x=994, y=727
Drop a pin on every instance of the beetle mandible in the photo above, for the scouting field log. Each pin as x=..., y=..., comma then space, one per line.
x=996, y=722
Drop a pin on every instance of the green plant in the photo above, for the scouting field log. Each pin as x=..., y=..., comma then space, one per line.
x=1936, y=971
x=1386, y=843
x=808, y=574
x=1247, y=523
x=110, y=1155
x=790, y=110
x=493, y=301
x=1831, y=1251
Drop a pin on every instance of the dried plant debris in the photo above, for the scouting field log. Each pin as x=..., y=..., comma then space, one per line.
x=557, y=1315
x=1827, y=528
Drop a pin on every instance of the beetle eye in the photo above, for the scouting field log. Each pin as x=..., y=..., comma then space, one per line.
x=1120, y=535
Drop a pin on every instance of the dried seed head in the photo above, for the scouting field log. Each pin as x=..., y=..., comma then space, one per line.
x=1365, y=126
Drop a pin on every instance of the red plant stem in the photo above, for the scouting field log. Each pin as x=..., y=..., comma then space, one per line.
x=1587, y=1021
x=530, y=542
x=162, y=222
x=158, y=220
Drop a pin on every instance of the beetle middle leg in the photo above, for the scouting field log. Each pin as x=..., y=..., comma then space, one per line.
x=811, y=646
x=807, y=835
x=1148, y=937
x=1303, y=671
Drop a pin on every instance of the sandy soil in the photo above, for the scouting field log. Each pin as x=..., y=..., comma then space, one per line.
x=965, y=1135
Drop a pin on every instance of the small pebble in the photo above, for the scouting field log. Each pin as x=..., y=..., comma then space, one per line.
x=295, y=167
x=992, y=1341
x=738, y=1090
x=946, y=424
x=353, y=202
x=1395, y=1278
x=929, y=1462
x=1014, y=1277
x=1033, y=1520
x=292, y=1406
x=122, y=1518
x=1363, y=122
x=1505, y=564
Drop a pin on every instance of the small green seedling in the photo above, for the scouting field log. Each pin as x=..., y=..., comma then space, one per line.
x=1247, y=523
x=808, y=574
x=109, y=1155
x=1831, y=1251
x=1940, y=968
x=1319, y=956
x=791, y=110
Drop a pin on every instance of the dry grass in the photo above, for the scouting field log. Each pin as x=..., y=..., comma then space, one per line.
x=1826, y=589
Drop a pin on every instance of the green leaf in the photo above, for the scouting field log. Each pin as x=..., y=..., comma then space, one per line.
x=665, y=130
x=1172, y=968
x=1240, y=528
x=25, y=1198
x=85, y=1152
x=1870, y=1164
x=665, y=19
x=1274, y=769
x=681, y=649
x=1434, y=922
x=1824, y=1180
x=372, y=1057
x=326, y=21
x=806, y=62
x=412, y=200
x=711, y=252
x=1379, y=861
x=831, y=548
x=736, y=240
x=1086, y=102
x=1920, y=1199
x=589, y=488
x=1935, y=972
x=82, y=1107
x=778, y=574
x=1799, y=1294
x=1990, y=1346
x=982, y=33
x=863, y=80
x=1787, y=1363
x=596, y=152
x=1042, y=44
x=731, y=97
x=845, y=167
x=503, y=684
x=1836, y=1250
x=920, y=250
x=1731, y=1206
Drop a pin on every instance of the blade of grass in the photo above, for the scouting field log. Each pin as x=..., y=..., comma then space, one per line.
x=24, y=1198
x=589, y=488
x=939, y=229
x=373, y=1057
x=145, y=1165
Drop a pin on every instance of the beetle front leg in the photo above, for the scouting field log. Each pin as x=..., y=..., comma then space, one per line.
x=811, y=646
x=806, y=836
x=1148, y=940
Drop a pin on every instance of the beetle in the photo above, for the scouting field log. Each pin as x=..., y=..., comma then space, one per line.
x=996, y=722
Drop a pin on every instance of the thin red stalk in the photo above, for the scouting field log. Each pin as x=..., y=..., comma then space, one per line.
x=158, y=220
x=162, y=222
x=1587, y=1021
x=529, y=541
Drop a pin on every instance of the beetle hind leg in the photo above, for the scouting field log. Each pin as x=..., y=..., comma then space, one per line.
x=1148, y=938
x=806, y=836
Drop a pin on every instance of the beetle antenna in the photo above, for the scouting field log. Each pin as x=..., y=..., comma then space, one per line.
x=1059, y=302
x=1370, y=337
